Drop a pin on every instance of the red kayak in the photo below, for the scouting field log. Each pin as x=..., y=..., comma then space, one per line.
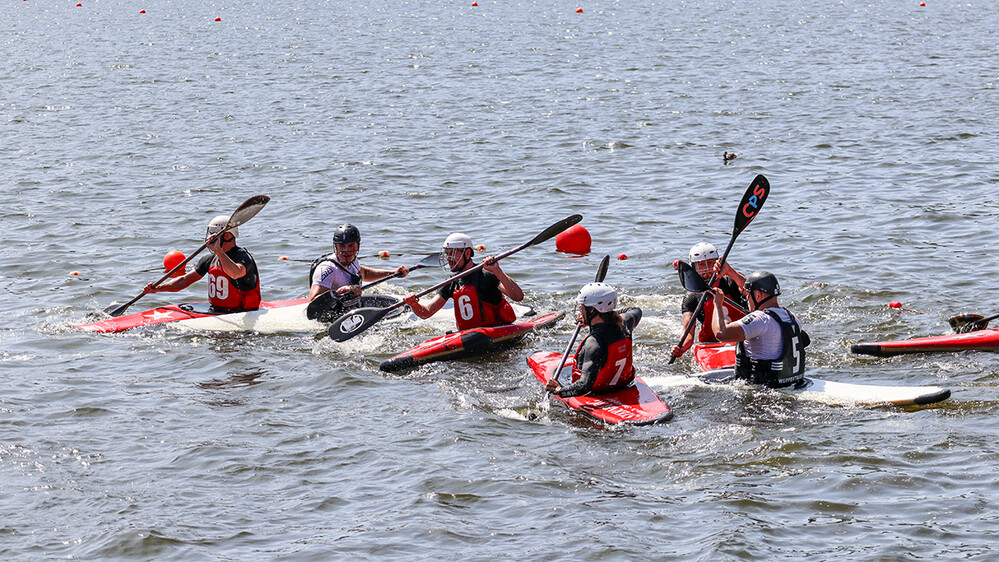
x=634, y=405
x=468, y=343
x=982, y=340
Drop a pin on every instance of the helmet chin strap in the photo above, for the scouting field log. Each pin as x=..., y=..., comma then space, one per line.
x=756, y=304
x=465, y=258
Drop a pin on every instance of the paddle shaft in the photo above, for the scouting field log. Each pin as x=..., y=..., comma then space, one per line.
x=362, y=319
x=752, y=202
x=601, y=275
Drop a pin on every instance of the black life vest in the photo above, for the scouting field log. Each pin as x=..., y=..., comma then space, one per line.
x=788, y=370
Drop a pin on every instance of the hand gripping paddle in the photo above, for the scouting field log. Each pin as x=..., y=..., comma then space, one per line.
x=242, y=214
x=752, y=202
x=331, y=299
x=601, y=274
x=356, y=321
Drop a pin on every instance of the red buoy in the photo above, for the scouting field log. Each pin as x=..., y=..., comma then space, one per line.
x=480, y=247
x=895, y=304
x=384, y=254
x=142, y=11
x=475, y=3
x=74, y=272
x=283, y=258
x=622, y=256
x=579, y=11
x=218, y=19
x=573, y=240
x=171, y=260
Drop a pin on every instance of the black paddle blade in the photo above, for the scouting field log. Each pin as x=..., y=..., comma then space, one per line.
x=116, y=309
x=602, y=270
x=433, y=260
x=355, y=322
x=555, y=229
x=247, y=210
x=690, y=279
x=964, y=323
x=752, y=202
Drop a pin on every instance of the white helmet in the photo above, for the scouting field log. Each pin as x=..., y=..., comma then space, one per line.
x=703, y=251
x=217, y=224
x=457, y=240
x=600, y=296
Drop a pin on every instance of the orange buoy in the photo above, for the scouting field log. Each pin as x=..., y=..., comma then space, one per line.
x=622, y=256
x=283, y=258
x=171, y=260
x=480, y=247
x=384, y=254
x=579, y=11
x=475, y=3
x=74, y=272
x=218, y=19
x=142, y=11
x=573, y=240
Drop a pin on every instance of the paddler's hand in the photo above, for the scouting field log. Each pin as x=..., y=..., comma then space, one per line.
x=677, y=351
x=214, y=244
x=489, y=264
x=553, y=386
x=402, y=271
x=411, y=300
x=149, y=288
x=353, y=290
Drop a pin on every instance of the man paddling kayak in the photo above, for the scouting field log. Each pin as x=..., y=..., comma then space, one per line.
x=234, y=285
x=340, y=274
x=603, y=359
x=479, y=297
x=771, y=349
x=704, y=259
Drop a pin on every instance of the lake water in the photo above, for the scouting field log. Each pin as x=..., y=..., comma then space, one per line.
x=125, y=133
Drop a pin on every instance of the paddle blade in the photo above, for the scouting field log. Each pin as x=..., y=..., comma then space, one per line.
x=690, y=279
x=964, y=323
x=602, y=270
x=555, y=229
x=247, y=210
x=355, y=322
x=433, y=260
x=752, y=202
x=116, y=309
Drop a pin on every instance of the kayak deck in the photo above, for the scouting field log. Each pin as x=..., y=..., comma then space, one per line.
x=981, y=340
x=637, y=404
x=468, y=343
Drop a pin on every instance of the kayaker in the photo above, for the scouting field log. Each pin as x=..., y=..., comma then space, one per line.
x=340, y=273
x=603, y=358
x=771, y=348
x=704, y=259
x=479, y=297
x=233, y=283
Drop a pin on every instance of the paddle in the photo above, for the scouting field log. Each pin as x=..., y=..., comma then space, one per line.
x=964, y=323
x=601, y=274
x=242, y=214
x=749, y=207
x=693, y=282
x=356, y=321
x=331, y=299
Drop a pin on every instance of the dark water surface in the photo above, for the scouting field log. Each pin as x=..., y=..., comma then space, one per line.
x=124, y=133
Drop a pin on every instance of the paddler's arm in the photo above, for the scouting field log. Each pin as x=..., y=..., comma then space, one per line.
x=591, y=359
x=724, y=331
x=175, y=284
x=369, y=274
x=315, y=290
x=421, y=310
x=726, y=270
x=679, y=350
x=231, y=268
x=507, y=286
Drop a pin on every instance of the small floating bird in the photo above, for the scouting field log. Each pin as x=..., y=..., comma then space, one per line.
x=726, y=156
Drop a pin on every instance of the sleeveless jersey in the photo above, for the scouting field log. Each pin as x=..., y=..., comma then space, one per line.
x=478, y=301
x=225, y=293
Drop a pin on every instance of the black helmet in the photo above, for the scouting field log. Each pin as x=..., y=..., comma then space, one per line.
x=346, y=233
x=762, y=281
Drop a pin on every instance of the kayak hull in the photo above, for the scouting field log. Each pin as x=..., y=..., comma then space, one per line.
x=637, y=404
x=718, y=360
x=468, y=343
x=271, y=317
x=981, y=340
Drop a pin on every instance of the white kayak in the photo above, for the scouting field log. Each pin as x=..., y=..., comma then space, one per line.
x=714, y=355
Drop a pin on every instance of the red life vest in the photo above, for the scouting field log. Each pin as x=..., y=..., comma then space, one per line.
x=223, y=294
x=472, y=312
x=617, y=372
x=706, y=334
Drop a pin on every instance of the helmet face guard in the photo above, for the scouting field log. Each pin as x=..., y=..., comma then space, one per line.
x=453, y=250
x=217, y=225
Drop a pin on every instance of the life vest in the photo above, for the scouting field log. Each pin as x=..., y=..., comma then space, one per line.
x=223, y=294
x=618, y=372
x=343, y=304
x=472, y=312
x=787, y=370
